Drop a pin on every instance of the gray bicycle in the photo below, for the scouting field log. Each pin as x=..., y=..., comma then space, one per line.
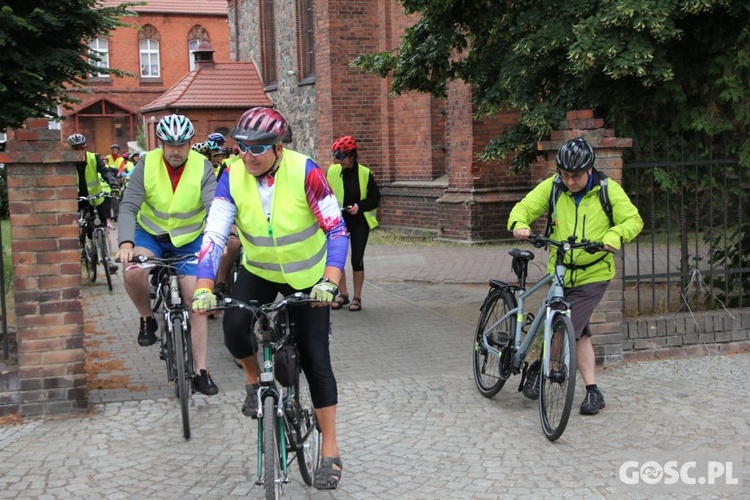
x=507, y=334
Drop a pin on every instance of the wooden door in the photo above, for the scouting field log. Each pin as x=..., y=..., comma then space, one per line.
x=104, y=136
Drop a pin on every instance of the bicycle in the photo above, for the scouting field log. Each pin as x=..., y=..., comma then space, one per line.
x=92, y=239
x=507, y=333
x=175, y=343
x=288, y=428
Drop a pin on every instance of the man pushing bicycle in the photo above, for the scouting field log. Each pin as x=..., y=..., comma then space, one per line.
x=578, y=210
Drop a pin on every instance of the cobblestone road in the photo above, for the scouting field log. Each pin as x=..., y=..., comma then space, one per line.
x=411, y=422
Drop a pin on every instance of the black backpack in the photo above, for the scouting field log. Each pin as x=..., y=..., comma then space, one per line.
x=557, y=189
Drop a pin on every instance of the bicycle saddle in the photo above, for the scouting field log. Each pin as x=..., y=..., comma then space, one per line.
x=524, y=255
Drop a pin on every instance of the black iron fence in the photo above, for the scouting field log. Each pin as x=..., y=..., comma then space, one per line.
x=5, y=265
x=694, y=251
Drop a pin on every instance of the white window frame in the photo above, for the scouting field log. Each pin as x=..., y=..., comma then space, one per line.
x=149, y=55
x=192, y=44
x=101, y=47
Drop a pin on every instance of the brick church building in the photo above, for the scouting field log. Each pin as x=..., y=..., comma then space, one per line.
x=422, y=150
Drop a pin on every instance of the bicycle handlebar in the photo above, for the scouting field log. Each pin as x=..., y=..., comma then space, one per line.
x=143, y=259
x=591, y=247
x=254, y=305
x=96, y=196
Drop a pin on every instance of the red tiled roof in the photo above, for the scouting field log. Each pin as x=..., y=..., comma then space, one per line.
x=222, y=85
x=205, y=7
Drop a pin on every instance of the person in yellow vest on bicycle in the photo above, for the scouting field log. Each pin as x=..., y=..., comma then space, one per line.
x=358, y=195
x=114, y=159
x=164, y=210
x=92, y=174
x=294, y=239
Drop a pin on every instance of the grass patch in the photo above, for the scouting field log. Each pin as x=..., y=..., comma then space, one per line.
x=415, y=238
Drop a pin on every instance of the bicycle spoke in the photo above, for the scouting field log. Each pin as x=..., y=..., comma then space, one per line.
x=558, y=384
x=491, y=370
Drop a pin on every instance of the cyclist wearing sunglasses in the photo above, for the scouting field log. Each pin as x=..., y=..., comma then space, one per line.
x=357, y=192
x=294, y=239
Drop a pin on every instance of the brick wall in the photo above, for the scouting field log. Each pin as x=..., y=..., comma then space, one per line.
x=46, y=271
x=686, y=334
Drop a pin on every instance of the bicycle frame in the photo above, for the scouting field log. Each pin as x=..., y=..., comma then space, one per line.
x=269, y=388
x=522, y=343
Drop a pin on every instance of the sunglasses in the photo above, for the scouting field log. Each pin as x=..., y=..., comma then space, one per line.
x=254, y=150
x=338, y=156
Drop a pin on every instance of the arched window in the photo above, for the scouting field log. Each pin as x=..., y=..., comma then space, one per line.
x=197, y=34
x=99, y=55
x=148, y=45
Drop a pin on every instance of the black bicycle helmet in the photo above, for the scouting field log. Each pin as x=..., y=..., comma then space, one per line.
x=77, y=140
x=263, y=125
x=576, y=155
x=114, y=146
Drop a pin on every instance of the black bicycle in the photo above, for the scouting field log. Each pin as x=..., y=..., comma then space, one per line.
x=176, y=348
x=288, y=428
x=92, y=239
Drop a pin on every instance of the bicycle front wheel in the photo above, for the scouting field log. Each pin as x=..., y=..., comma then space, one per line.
x=271, y=462
x=181, y=382
x=307, y=432
x=492, y=370
x=101, y=243
x=558, y=386
x=90, y=258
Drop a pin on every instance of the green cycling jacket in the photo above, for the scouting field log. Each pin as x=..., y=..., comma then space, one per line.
x=586, y=220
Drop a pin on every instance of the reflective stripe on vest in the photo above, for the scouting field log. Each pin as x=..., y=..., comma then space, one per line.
x=92, y=178
x=290, y=247
x=180, y=213
x=337, y=184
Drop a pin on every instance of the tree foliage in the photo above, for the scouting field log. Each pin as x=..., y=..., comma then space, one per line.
x=44, y=53
x=660, y=65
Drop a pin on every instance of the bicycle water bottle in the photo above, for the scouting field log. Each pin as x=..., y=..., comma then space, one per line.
x=174, y=290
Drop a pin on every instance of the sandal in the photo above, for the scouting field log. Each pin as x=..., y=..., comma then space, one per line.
x=338, y=304
x=356, y=304
x=327, y=477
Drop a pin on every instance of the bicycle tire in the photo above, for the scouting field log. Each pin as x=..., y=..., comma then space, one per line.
x=101, y=243
x=271, y=460
x=182, y=376
x=557, y=389
x=306, y=431
x=491, y=371
x=155, y=289
x=91, y=259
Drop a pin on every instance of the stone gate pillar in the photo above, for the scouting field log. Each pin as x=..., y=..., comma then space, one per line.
x=606, y=321
x=46, y=270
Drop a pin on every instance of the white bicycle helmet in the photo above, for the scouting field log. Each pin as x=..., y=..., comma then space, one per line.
x=77, y=140
x=175, y=130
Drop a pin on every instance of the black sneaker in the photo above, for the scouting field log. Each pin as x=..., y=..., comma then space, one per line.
x=531, y=384
x=147, y=334
x=250, y=405
x=592, y=403
x=203, y=383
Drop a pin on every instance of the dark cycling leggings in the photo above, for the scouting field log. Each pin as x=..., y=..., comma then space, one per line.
x=312, y=333
x=358, y=239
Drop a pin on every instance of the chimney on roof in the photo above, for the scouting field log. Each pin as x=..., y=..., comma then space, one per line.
x=204, y=55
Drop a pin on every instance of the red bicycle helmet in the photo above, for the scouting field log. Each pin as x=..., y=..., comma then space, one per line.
x=345, y=144
x=262, y=125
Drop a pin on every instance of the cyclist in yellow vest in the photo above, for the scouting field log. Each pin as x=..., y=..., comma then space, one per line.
x=88, y=174
x=164, y=210
x=294, y=239
x=359, y=197
x=114, y=159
